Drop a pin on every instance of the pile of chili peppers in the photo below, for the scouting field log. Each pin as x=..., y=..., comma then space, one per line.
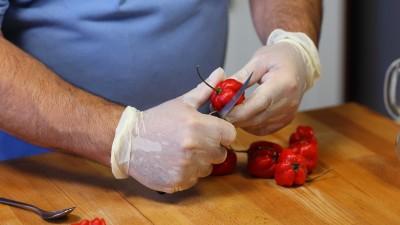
x=289, y=166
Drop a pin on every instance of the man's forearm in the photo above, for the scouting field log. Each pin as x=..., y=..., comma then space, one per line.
x=290, y=15
x=37, y=106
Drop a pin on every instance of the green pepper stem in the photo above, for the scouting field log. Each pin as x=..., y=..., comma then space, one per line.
x=202, y=79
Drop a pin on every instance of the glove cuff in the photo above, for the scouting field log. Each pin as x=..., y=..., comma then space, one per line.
x=306, y=46
x=121, y=147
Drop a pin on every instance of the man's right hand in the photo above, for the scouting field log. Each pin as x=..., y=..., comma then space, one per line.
x=168, y=147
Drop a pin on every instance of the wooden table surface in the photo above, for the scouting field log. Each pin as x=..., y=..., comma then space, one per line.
x=361, y=188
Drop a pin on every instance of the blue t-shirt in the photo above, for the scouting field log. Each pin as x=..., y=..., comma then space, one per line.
x=133, y=52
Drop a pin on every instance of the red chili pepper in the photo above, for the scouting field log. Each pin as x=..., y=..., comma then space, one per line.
x=224, y=92
x=302, y=133
x=309, y=150
x=291, y=169
x=95, y=221
x=304, y=142
x=262, y=159
x=227, y=167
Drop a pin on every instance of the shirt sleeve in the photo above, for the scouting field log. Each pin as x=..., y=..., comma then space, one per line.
x=3, y=8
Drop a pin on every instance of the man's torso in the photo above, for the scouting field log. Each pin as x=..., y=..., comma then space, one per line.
x=134, y=52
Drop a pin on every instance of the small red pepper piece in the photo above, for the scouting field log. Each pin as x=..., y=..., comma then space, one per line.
x=95, y=221
x=291, y=169
x=98, y=221
x=262, y=159
x=224, y=92
x=226, y=167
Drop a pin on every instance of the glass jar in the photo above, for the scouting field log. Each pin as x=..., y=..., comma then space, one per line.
x=390, y=96
x=390, y=90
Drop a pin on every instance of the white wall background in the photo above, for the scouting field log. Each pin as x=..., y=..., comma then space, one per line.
x=329, y=90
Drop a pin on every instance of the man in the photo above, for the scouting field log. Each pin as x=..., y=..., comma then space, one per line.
x=113, y=81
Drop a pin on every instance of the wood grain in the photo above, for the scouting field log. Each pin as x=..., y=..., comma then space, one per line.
x=363, y=186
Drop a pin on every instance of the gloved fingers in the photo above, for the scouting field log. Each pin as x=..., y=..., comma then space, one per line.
x=251, y=67
x=265, y=130
x=208, y=149
x=186, y=184
x=273, y=118
x=277, y=110
x=182, y=180
x=257, y=102
x=268, y=127
x=204, y=169
x=218, y=131
x=157, y=185
x=188, y=178
x=275, y=87
x=200, y=168
x=261, y=119
x=176, y=188
x=200, y=94
x=252, y=106
x=206, y=144
x=215, y=155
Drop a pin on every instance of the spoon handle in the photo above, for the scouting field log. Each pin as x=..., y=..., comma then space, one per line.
x=20, y=205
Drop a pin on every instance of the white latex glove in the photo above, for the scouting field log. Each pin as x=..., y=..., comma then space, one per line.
x=285, y=69
x=168, y=147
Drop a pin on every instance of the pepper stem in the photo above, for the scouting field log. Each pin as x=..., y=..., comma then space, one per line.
x=317, y=176
x=202, y=79
x=275, y=156
x=295, y=166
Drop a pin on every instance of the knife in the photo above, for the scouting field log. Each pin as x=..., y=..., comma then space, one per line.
x=229, y=106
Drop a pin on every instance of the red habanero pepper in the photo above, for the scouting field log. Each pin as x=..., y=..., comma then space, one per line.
x=262, y=159
x=304, y=142
x=226, y=167
x=302, y=133
x=309, y=150
x=95, y=221
x=98, y=221
x=224, y=92
x=291, y=169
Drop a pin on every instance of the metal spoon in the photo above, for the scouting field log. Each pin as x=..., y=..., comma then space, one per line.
x=46, y=215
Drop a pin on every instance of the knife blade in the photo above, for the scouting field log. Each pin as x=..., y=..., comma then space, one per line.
x=229, y=106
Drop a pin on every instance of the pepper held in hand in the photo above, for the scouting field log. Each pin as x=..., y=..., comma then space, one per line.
x=224, y=92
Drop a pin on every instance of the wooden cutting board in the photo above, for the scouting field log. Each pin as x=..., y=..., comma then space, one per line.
x=363, y=186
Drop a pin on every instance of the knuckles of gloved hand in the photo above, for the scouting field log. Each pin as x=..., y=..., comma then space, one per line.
x=190, y=138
